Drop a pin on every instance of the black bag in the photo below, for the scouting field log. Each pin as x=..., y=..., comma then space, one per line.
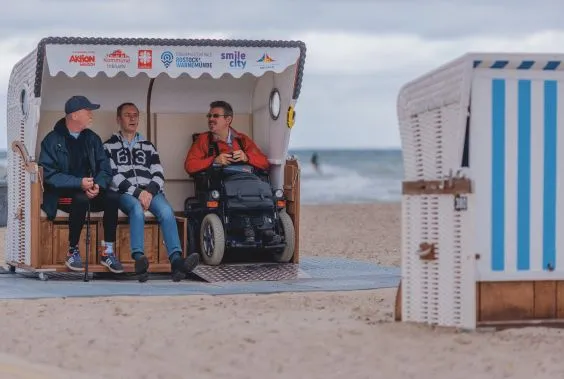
x=247, y=191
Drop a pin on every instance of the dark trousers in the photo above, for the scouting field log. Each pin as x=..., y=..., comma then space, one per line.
x=107, y=201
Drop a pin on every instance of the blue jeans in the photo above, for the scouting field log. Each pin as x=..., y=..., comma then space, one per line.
x=162, y=210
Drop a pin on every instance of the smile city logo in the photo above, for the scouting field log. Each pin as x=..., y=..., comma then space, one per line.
x=237, y=59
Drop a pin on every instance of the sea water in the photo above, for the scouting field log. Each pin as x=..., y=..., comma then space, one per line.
x=350, y=176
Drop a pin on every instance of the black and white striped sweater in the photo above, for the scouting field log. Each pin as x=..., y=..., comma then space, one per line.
x=136, y=169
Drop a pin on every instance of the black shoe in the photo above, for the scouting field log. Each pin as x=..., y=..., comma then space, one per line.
x=270, y=237
x=182, y=266
x=141, y=267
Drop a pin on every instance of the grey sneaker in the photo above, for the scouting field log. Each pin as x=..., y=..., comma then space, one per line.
x=73, y=260
x=112, y=263
x=109, y=260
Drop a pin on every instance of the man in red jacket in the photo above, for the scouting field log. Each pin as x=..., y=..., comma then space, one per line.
x=228, y=145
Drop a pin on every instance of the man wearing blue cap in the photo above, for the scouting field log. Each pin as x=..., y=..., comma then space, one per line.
x=77, y=174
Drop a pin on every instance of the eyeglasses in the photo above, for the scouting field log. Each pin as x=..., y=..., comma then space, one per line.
x=215, y=115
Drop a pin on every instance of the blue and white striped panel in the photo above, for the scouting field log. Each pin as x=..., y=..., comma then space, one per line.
x=521, y=169
x=527, y=64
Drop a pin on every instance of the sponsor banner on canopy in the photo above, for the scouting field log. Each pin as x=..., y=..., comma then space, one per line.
x=172, y=60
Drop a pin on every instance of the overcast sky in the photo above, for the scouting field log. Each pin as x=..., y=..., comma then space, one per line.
x=359, y=52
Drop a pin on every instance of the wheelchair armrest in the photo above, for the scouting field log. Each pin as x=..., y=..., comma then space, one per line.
x=206, y=172
x=199, y=174
x=263, y=175
x=260, y=172
x=205, y=179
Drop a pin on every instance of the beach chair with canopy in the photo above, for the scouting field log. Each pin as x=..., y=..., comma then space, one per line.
x=172, y=81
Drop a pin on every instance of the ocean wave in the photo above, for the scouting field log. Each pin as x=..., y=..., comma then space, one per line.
x=348, y=184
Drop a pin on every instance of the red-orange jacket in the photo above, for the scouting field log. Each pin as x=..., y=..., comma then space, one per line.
x=197, y=158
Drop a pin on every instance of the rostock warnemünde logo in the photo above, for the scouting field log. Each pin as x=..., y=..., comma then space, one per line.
x=167, y=58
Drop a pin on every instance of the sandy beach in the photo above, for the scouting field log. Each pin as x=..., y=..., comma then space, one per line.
x=302, y=335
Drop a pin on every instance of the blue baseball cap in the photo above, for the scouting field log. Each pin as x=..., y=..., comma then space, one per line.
x=77, y=103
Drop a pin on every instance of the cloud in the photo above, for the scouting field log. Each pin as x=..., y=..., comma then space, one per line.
x=350, y=110
x=246, y=18
x=359, y=52
x=352, y=81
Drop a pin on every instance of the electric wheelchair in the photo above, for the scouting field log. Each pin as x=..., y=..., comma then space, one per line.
x=235, y=207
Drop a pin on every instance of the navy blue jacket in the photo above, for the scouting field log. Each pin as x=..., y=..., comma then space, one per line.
x=54, y=159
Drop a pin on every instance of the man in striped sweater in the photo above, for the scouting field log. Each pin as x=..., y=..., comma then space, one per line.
x=138, y=177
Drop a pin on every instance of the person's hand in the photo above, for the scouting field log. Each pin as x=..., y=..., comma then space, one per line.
x=93, y=192
x=145, y=198
x=86, y=183
x=240, y=156
x=223, y=159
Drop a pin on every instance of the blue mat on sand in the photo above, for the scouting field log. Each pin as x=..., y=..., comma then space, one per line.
x=314, y=274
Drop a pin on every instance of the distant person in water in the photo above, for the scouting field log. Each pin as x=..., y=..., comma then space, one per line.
x=315, y=162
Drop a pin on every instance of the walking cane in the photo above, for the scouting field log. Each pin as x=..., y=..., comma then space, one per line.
x=87, y=242
x=91, y=165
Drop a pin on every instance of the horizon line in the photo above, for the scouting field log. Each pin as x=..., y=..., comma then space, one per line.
x=347, y=148
x=323, y=148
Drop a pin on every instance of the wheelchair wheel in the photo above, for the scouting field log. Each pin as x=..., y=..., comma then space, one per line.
x=289, y=235
x=212, y=240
